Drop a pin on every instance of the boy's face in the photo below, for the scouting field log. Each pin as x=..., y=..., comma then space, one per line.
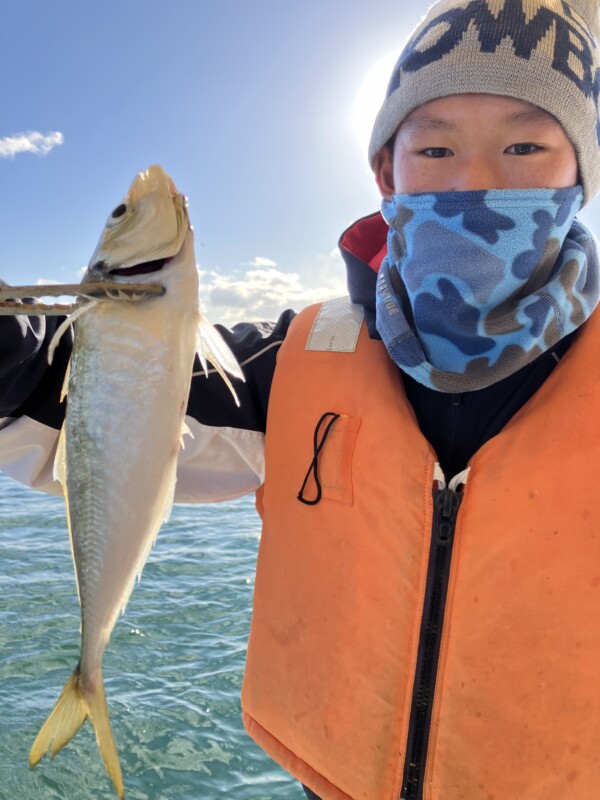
x=477, y=141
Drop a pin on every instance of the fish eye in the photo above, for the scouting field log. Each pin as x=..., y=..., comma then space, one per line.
x=119, y=211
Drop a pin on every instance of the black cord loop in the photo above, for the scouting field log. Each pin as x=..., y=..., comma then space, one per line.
x=314, y=465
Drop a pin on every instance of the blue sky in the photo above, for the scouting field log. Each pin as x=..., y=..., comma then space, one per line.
x=249, y=106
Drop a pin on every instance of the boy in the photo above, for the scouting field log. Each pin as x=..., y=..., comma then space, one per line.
x=427, y=589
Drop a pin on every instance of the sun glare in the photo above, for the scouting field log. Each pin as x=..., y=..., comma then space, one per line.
x=370, y=97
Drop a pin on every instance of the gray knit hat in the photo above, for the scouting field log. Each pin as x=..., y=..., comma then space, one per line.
x=543, y=51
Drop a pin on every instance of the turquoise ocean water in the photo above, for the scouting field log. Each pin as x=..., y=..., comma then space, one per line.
x=173, y=668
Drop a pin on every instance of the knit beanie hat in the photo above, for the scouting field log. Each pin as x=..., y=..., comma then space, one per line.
x=546, y=52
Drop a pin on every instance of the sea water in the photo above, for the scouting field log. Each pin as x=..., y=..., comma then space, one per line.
x=173, y=667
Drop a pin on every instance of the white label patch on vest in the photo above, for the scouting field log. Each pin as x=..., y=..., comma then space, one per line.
x=336, y=327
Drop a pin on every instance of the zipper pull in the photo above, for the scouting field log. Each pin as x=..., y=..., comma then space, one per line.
x=447, y=503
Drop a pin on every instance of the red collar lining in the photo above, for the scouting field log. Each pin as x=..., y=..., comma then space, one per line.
x=367, y=240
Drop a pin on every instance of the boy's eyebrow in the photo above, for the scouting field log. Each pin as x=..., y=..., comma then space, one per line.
x=531, y=115
x=423, y=123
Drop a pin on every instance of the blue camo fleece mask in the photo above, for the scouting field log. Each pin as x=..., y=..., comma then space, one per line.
x=478, y=284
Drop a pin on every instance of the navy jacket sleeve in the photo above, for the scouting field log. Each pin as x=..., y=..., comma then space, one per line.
x=223, y=458
x=28, y=384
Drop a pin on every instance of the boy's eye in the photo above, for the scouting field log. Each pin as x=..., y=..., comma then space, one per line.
x=436, y=152
x=522, y=149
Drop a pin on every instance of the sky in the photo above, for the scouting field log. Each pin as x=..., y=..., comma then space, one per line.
x=258, y=111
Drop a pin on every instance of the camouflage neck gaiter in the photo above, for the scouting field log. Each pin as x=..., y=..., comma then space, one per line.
x=478, y=284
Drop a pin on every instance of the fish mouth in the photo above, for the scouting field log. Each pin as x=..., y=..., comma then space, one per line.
x=144, y=268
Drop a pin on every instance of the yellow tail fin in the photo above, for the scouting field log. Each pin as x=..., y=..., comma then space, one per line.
x=68, y=715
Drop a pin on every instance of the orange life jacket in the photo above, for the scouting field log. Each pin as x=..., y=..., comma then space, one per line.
x=340, y=585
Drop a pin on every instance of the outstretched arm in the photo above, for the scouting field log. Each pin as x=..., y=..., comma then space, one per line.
x=223, y=460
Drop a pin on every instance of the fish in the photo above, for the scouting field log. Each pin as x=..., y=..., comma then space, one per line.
x=127, y=388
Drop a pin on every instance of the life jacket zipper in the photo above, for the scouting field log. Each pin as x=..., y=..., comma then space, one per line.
x=446, y=502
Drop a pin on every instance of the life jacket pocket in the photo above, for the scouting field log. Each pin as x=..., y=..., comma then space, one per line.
x=329, y=475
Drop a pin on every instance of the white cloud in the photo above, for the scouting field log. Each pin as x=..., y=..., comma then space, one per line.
x=31, y=142
x=259, y=261
x=262, y=293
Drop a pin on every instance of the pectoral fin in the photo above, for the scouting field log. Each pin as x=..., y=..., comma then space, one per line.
x=66, y=324
x=212, y=347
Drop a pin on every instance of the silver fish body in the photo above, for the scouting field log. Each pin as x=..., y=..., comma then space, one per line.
x=129, y=381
